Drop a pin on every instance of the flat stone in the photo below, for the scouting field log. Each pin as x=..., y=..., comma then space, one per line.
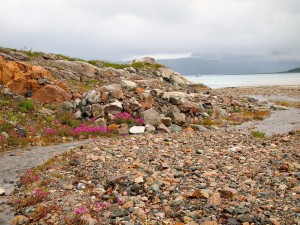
x=137, y=130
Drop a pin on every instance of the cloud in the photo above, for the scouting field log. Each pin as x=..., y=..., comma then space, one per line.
x=114, y=29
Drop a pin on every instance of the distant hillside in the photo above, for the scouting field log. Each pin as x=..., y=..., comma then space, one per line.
x=228, y=65
x=296, y=70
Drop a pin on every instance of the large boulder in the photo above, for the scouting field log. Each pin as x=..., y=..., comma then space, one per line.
x=113, y=108
x=174, y=113
x=144, y=60
x=151, y=117
x=51, y=93
x=25, y=79
x=92, y=97
x=127, y=84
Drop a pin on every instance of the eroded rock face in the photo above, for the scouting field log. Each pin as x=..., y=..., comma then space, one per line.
x=23, y=78
x=51, y=93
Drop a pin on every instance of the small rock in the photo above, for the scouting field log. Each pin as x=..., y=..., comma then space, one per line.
x=162, y=127
x=81, y=186
x=137, y=130
x=128, y=84
x=139, y=179
x=18, y=220
x=2, y=192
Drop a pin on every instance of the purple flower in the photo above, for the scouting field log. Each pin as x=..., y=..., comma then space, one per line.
x=119, y=200
x=139, y=120
x=104, y=205
x=81, y=210
x=123, y=115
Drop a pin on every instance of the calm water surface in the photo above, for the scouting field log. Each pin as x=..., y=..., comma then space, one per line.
x=220, y=81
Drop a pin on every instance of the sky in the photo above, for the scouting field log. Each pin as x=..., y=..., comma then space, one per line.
x=127, y=29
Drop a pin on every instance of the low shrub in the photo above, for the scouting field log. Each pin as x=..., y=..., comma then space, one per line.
x=258, y=134
x=26, y=105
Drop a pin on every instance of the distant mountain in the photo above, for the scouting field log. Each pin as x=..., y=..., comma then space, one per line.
x=296, y=70
x=227, y=65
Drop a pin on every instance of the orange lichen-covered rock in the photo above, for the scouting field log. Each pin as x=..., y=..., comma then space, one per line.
x=51, y=93
x=23, y=78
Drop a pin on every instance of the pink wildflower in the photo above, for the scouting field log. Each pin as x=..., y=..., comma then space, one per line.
x=104, y=205
x=81, y=210
x=119, y=200
x=123, y=115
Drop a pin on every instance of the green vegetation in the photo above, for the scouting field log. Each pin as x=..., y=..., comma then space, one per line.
x=258, y=134
x=26, y=105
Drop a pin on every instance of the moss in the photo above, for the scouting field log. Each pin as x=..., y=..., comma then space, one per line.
x=26, y=105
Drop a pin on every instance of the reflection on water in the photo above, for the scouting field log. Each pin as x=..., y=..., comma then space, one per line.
x=219, y=81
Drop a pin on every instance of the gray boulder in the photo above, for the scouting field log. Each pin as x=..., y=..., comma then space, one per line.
x=113, y=108
x=97, y=110
x=92, y=97
x=174, y=113
x=151, y=117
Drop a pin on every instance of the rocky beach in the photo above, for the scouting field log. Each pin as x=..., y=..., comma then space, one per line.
x=147, y=146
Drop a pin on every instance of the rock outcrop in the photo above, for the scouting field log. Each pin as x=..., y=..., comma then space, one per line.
x=32, y=81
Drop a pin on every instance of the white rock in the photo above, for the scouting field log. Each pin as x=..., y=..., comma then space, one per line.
x=137, y=130
x=2, y=192
x=128, y=84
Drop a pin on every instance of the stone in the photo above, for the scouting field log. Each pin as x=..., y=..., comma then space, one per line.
x=146, y=101
x=112, y=87
x=21, y=131
x=137, y=130
x=87, y=218
x=78, y=114
x=134, y=105
x=97, y=110
x=117, y=94
x=214, y=200
x=139, y=180
x=123, y=129
x=163, y=128
x=151, y=117
x=113, y=108
x=209, y=223
x=20, y=219
x=277, y=107
x=149, y=128
x=2, y=192
x=228, y=192
x=119, y=213
x=92, y=97
x=127, y=84
x=175, y=128
x=80, y=186
x=174, y=113
x=167, y=121
x=144, y=60
x=51, y=93
x=4, y=135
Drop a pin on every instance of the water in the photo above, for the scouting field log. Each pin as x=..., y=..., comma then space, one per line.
x=220, y=81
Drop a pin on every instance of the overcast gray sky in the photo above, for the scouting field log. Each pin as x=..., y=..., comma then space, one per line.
x=124, y=29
